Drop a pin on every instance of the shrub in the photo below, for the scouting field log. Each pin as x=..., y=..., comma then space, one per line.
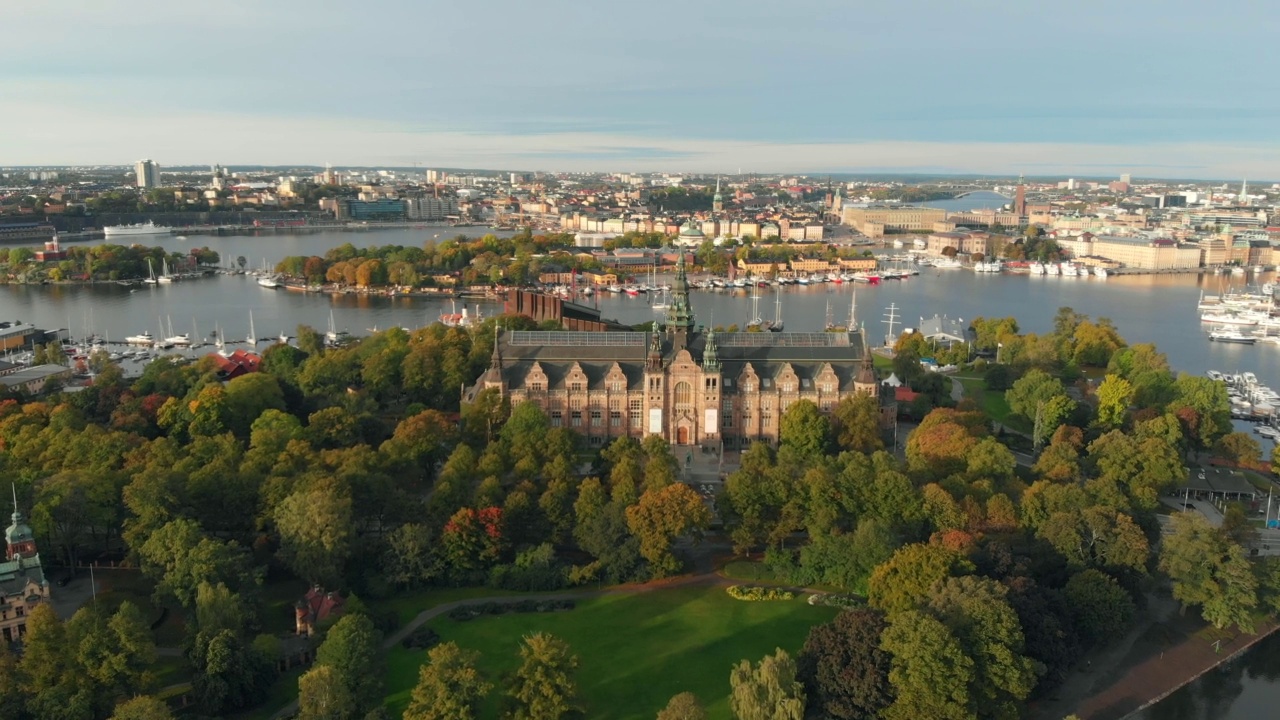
x=421, y=639
x=848, y=602
x=754, y=593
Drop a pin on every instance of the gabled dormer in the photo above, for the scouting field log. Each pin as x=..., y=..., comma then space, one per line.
x=536, y=381
x=786, y=380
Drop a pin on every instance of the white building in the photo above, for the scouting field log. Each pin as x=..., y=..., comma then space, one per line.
x=148, y=174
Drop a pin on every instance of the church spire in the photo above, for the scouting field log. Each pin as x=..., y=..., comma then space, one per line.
x=717, y=200
x=679, y=314
x=495, y=359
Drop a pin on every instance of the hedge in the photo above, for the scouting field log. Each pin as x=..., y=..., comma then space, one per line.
x=756, y=593
x=471, y=612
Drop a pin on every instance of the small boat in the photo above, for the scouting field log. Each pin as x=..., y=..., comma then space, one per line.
x=1036, y=268
x=182, y=340
x=1231, y=335
x=269, y=281
x=1100, y=271
x=165, y=278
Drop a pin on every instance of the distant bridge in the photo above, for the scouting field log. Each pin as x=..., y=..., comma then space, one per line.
x=966, y=194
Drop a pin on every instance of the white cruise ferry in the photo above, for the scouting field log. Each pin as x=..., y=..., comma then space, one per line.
x=149, y=228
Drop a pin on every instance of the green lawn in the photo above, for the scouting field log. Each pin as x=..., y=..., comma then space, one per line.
x=636, y=651
x=992, y=403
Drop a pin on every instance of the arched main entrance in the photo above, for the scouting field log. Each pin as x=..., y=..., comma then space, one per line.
x=682, y=435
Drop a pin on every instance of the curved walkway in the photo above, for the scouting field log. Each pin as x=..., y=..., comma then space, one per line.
x=711, y=579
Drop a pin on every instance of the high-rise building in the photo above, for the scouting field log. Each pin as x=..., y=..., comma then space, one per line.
x=148, y=174
x=1126, y=179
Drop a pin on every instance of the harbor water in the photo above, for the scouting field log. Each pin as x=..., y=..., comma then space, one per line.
x=1158, y=309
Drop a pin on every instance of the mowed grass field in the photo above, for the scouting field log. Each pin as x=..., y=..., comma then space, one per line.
x=635, y=651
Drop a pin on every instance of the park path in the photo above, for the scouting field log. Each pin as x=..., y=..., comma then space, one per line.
x=1155, y=678
x=710, y=579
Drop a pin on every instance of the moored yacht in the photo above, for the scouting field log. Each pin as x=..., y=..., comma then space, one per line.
x=143, y=338
x=1231, y=335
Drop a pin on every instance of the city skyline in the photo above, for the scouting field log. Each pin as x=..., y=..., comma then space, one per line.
x=981, y=88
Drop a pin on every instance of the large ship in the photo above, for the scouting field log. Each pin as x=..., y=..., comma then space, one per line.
x=149, y=228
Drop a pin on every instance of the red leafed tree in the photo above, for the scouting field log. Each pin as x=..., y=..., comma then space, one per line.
x=474, y=539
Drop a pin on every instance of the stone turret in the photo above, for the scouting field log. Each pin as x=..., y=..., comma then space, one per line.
x=710, y=355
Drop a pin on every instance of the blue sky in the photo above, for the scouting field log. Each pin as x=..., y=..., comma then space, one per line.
x=1170, y=88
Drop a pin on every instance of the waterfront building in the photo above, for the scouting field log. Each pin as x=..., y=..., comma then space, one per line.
x=381, y=209
x=689, y=384
x=876, y=221
x=33, y=380
x=147, y=174
x=26, y=232
x=430, y=208
x=22, y=582
x=1135, y=252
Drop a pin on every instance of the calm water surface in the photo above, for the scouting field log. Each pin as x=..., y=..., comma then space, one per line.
x=1145, y=308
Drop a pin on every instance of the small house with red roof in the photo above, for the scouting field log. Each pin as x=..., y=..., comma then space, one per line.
x=240, y=362
x=316, y=607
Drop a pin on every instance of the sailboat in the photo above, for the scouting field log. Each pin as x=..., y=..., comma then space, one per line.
x=333, y=337
x=253, y=336
x=151, y=273
x=165, y=278
x=755, y=307
x=660, y=303
x=776, y=325
x=183, y=340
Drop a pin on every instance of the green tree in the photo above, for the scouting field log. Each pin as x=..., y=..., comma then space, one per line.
x=856, y=423
x=767, y=691
x=323, y=695
x=1202, y=405
x=931, y=674
x=1115, y=395
x=904, y=581
x=684, y=706
x=1209, y=570
x=411, y=558
x=1102, y=610
x=316, y=534
x=662, y=516
x=544, y=687
x=1098, y=537
x=351, y=648
x=1031, y=390
x=179, y=556
x=977, y=612
x=804, y=430
x=230, y=674
x=450, y=687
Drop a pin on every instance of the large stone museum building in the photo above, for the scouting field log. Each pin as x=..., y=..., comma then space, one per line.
x=691, y=385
